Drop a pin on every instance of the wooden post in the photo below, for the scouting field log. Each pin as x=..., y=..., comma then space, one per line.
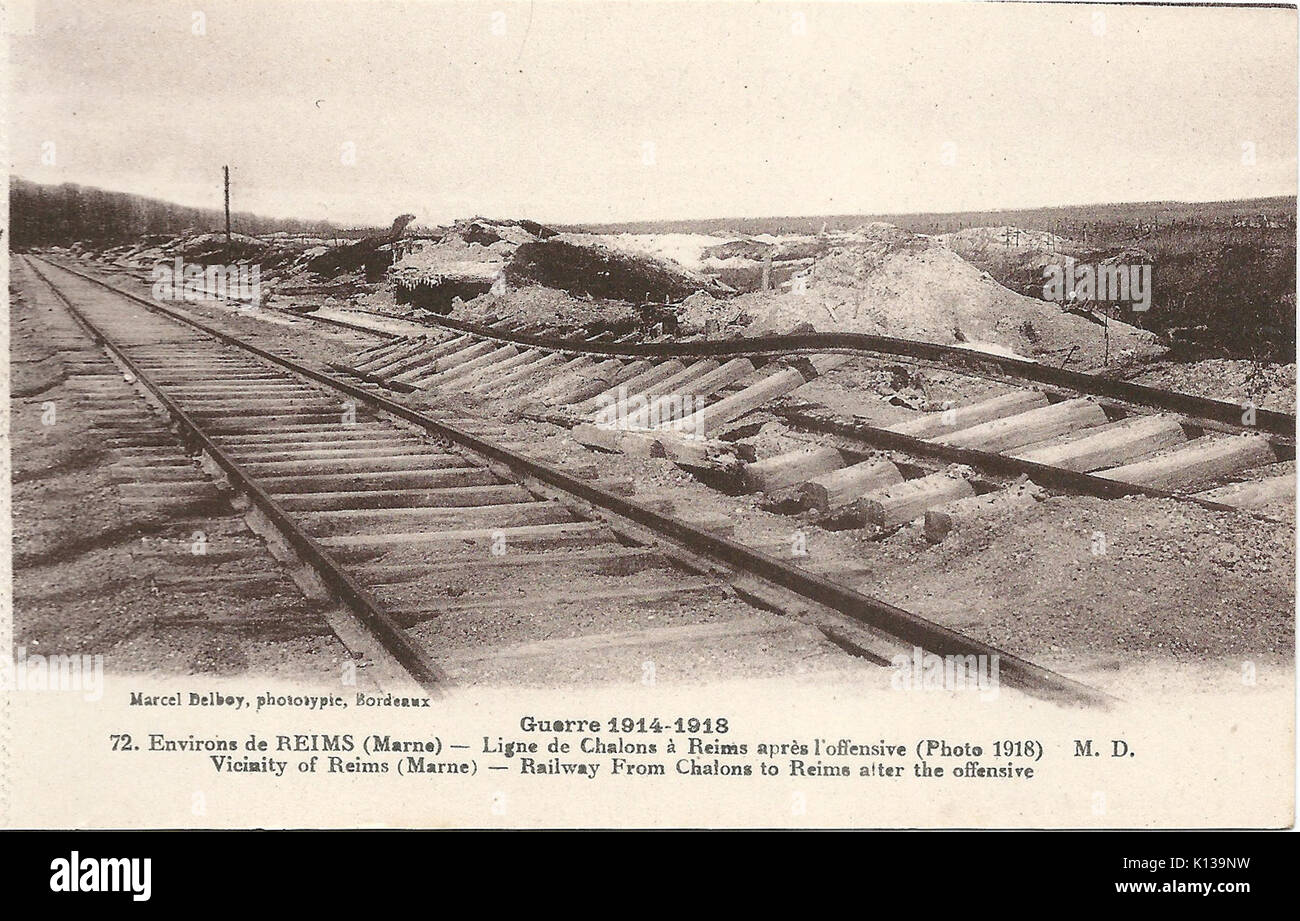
x=1108, y=445
x=791, y=468
x=670, y=406
x=954, y=420
x=707, y=419
x=831, y=490
x=608, y=401
x=1198, y=462
x=891, y=506
x=225, y=170
x=1028, y=427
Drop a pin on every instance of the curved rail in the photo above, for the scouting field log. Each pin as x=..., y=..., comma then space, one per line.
x=1273, y=422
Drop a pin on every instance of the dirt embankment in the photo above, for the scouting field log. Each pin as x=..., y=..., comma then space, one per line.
x=876, y=279
x=882, y=280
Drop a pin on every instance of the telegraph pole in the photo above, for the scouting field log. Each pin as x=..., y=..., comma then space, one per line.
x=226, y=172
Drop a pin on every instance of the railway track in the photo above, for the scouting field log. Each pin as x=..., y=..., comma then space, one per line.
x=1099, y=437
x=424, y=529
x=196, y=543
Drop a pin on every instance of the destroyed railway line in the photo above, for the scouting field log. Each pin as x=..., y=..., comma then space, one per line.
x=1102, y=437
x=1122, y=436
x=346, y=490
x=1119, y=392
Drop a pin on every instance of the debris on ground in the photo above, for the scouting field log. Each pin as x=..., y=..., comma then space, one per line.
x=877, y=278
x=882, y=280
x=373, y=254
x=592, y=270
x=1268, y=385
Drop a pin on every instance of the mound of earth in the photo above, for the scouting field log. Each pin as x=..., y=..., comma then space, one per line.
x=277, y=255
x=764, y=262
x=487, y=231
x=462, y=263
x=883, y=280
x=1016, y=257
x=600, y=272
x=536, y=305
x=451, y=258
x=701, y=311
x=477, y=257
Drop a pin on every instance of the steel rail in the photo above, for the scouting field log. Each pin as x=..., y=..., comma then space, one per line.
x=369, y=609
x=342, y=324
x=998, y=464
x=1273, y=422
x=903, y=625
x=1052, y=477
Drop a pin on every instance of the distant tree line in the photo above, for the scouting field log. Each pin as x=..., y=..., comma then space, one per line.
x=1070, y=220
x=60, y=215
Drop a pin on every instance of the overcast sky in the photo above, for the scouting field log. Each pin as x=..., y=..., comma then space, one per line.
x=570, y=111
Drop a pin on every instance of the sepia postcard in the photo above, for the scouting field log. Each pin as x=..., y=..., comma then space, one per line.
x=517, y=415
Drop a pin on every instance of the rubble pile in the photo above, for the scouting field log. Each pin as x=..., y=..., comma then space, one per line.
x=373, y=254
x=882, y=280
x=876, y=278
x=460, y=262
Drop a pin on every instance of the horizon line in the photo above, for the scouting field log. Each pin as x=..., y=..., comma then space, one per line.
x=681, y=220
